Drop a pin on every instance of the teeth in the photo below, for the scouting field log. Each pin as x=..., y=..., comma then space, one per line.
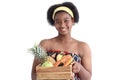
x=63, y=29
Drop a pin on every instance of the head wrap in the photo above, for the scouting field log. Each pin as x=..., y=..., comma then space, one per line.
x=63, y=8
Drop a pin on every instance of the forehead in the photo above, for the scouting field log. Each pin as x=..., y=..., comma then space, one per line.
x=62, y=14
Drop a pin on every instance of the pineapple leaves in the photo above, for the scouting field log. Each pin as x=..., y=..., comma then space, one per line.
x=38, y=51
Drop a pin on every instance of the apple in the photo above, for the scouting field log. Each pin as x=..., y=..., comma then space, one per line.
x=47, y=64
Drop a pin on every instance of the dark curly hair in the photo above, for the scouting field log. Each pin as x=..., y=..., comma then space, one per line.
x=70, y=5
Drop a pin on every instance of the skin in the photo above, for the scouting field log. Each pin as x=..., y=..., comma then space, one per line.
x=64, y=42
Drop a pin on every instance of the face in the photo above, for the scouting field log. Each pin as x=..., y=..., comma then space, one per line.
x=63, y=22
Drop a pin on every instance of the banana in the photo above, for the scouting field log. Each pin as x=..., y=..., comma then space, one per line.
x=49, y=58
x=59, y=56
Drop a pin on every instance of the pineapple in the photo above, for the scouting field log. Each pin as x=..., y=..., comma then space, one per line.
x=39, y=52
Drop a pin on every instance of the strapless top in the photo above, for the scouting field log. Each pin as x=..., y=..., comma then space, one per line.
x=76, y=58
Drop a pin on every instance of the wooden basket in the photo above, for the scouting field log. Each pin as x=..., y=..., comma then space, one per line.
x=54, y=73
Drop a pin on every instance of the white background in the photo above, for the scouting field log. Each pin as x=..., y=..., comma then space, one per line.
x=23, y=23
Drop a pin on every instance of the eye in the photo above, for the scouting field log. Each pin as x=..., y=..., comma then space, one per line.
x=67, y=20
x=57, y=21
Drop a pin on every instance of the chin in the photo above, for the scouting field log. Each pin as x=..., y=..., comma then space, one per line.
x=63, y=34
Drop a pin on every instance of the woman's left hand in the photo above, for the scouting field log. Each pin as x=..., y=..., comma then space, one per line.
x=76, y=67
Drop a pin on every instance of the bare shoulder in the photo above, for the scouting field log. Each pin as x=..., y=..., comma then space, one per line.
x=84, y=48
x=81, y=44
x=45, y=43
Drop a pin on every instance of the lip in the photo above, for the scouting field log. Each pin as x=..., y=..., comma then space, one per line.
x=63, y=29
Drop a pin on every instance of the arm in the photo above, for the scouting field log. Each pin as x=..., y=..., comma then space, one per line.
x=84, y=69
x=33, y=73
x=36, y=61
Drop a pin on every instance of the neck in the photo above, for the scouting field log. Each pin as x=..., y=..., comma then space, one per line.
x=64, y=38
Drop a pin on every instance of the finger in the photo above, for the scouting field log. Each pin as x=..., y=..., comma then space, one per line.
x=72, y=76
x=73, y=63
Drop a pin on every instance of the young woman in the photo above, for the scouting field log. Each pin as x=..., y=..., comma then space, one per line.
x=63, y=17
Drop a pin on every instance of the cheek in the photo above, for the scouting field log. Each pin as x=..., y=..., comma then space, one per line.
x=56, y=27
x=70, y=26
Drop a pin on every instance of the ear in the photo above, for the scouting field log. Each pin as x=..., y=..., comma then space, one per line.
x=73, y=21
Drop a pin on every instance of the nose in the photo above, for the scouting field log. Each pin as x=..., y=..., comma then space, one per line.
x=62, y=24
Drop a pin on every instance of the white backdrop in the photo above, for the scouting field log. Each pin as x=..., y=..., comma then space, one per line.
x=23, y=23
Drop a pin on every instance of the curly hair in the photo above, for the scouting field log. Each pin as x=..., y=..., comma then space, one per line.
x=70, y=5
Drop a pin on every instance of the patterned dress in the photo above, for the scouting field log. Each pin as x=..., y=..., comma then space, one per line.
x=76, y=58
